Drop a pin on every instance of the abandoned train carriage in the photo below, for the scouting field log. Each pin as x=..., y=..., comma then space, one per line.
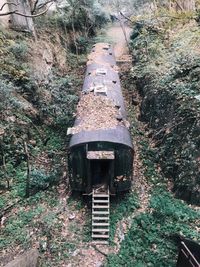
x=101, y=151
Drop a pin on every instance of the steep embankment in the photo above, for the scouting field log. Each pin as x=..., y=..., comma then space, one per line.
x=153, y=222
x=38, y=81
x=166, y=73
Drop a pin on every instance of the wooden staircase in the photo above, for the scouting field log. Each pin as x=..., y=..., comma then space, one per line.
x=100, y=216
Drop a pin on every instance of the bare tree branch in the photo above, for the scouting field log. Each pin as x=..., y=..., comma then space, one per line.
x=25, y=15
x=125, y=17
x=28, y=168
x=5, y=172
x=46, y=3
x=179, y=5
x=37, y=7
x=34, y=7
x=8, y=5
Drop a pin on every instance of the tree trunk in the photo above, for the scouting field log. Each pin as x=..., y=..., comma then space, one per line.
x=18, y=22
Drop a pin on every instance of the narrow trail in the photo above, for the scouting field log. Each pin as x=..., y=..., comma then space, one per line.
x=116, y=34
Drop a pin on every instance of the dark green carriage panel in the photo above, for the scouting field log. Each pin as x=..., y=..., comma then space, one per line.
x=121, y=166
x=77, y=168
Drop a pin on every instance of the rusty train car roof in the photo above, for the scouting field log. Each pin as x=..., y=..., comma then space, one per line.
x=102, y=72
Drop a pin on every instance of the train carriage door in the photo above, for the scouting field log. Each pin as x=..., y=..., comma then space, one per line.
x=101, y=168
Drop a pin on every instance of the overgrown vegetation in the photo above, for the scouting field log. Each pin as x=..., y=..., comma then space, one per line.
x=166, y=74
x=42, y=221
x=39, y=84
x=151, y=241
x=32, y=113
x=122, y=207
x=78, y=22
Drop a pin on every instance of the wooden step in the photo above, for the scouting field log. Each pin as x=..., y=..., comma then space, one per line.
x=99, y=236
x=100, y=224
x=100, y=195
x=100, y=201
x=100, y=212
x=100, y=218
x=100, y=230
x=101, y=207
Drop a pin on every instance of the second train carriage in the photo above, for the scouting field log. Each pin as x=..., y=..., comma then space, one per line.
x=101, y=151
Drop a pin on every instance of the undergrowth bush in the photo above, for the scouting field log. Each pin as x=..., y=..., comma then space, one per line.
x=120, y=208
x=40, y=179
x=61, y=107
x=151, y=240
x=19, y=50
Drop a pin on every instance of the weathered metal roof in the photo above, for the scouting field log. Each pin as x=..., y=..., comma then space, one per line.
x=118, y=135
x=102, y=77
x=102, y=53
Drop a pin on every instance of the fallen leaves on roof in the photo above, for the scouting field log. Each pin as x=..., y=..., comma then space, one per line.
x=95, y=113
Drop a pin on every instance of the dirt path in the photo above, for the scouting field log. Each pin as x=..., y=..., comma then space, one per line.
x=116, y=34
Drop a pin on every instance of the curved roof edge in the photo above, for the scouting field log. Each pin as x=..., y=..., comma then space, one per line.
x=119, y=135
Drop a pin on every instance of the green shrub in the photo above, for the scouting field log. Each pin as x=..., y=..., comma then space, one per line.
x=20, y=50
x=62, y=105
x=122, y=207
x=40, y=179
x=7, y=98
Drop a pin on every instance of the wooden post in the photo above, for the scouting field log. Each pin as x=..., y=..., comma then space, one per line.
x=28, y=169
